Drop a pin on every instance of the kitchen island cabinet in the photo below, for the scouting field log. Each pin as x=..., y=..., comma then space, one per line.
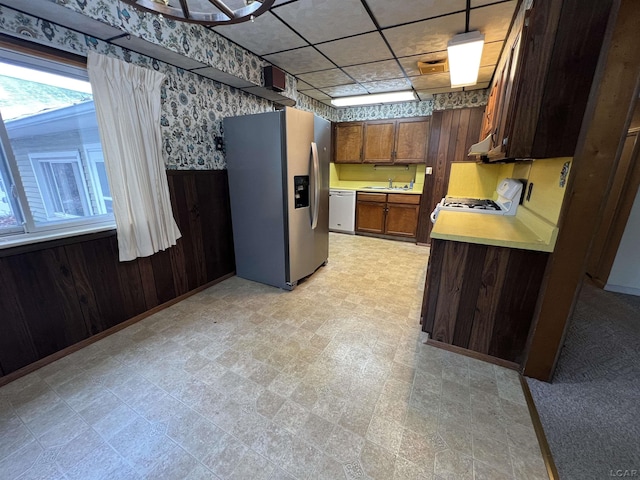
x=482, y=298
x=393, y=214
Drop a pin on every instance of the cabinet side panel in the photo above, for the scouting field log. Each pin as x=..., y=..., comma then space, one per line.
x=535, y=52
x=451, y=280
x=432, y=285
x=517, y=304
x=469, y=294
x=493, y=274
x=571, y=70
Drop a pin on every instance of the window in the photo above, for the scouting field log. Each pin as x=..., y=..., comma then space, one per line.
x=52, y=174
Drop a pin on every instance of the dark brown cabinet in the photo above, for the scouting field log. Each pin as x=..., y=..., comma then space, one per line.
x=392, y=141
x=348, y=142
x=387, y=214
x=542, y=83
x=379, y=141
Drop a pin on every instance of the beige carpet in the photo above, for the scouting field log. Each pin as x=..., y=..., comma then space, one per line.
x=591, y=410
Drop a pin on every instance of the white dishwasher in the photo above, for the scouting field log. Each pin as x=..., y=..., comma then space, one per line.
x=342, y=211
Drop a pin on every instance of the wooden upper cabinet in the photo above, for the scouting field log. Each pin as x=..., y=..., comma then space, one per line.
x=543, y=80
x=398, y=141
x=412, y=137
x=379, y=137
x=348, y=142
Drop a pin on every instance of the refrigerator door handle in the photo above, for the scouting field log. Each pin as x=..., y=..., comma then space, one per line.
x=316, y=185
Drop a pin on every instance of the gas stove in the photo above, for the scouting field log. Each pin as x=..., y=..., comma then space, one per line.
x=508, y=191
x=471, y=203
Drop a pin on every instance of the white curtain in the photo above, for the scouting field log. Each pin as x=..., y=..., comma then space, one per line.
x=127, y=100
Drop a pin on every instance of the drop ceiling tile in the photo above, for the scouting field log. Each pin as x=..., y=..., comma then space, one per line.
x=486, y=73
x=302, y=86
x=316, y=20
x=425, y=37
x=326, y=78
x=401, y=11
x=491, y=53
x=480, y=3
x=300, y=60
x=365, y=48
x=345, y=90
x=370, y=72
x=410, y=64
x=396, y=85
x=317, y=94
x=493, y=20
x=266, y=34
x=429, y=82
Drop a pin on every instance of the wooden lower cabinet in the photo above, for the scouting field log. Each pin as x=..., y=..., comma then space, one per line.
x=387, y=214
x=482, y=298
x=370, y=217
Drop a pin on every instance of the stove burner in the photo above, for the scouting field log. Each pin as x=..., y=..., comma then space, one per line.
x=474, y=203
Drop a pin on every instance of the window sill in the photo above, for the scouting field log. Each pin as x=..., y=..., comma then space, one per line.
x=23, y=239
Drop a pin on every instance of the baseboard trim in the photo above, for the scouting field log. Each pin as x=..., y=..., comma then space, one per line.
x=477, y=355
x=32, y=367
x=552, y=471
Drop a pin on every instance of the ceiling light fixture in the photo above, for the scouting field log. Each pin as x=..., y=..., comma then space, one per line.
x=465, y=51
x=375, y=98
x=205, y=12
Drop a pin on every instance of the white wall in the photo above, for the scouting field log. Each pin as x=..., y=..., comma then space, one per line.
x=625, y=273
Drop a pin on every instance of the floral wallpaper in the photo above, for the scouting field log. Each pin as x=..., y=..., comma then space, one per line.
x=389, y=110
x=473, y=98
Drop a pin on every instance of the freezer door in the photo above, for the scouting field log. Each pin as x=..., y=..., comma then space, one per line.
x=299, y=169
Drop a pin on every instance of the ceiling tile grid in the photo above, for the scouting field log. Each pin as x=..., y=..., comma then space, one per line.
x=323, y=20
x=352, y=47
x=326, y=78
x=365, y=48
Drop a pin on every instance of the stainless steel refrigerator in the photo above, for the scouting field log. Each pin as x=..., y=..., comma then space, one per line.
x=278, y=166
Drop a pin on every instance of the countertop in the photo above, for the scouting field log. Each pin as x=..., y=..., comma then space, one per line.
x=525, y=230
x=413, y=191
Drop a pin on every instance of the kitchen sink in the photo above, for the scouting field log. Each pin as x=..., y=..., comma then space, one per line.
x=386, y=188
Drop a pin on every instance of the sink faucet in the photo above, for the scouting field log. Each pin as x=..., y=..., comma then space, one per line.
x=391, y=183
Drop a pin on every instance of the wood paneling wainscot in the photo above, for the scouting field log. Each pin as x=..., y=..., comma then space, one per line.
x=451, y=135
x=482, y=298
x=58, y=293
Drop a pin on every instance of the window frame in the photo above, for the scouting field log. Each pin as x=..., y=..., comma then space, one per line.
x=28, y=232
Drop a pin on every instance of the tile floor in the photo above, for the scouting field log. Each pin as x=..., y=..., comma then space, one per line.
x=244, y=381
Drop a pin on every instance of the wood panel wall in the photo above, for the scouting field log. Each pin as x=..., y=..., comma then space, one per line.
x=451, y=134
x=482, y=298
x=55, y=294
x=595, y=161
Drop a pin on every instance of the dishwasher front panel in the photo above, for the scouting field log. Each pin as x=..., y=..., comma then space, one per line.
x=342, y=211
